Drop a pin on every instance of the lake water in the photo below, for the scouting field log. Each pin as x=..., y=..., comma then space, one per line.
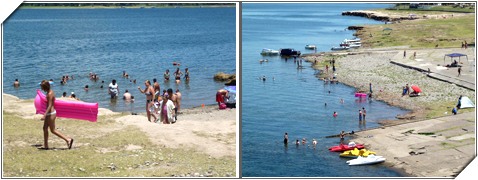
x=50, y=43
x=292, y=100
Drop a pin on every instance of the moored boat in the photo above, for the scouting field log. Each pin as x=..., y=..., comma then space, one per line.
x=356, y=153
x=342, y=147
x=269, y=52
x=352, y=40
x=339, y=48
x=371, y=159
x=310, y=46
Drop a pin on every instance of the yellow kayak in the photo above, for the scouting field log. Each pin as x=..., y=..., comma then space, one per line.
x=355, y=153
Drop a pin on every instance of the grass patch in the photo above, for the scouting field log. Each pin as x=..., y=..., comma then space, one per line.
x=103, y=149
x=421, y=33
x=438, y=109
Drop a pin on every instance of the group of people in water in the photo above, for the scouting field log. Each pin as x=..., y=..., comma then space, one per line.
x=297, y=142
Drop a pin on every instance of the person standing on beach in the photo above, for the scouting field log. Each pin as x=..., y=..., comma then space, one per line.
x=364, y=113
x=166, y=112
x=408, y=89
x=174, y=98
x=286, y=139
x=178, y=99
x=459, y=71
x=149, y=92
x=333, y=68
x=404, y=53
x=50, y=116
x=157, y=89
x=370, y=86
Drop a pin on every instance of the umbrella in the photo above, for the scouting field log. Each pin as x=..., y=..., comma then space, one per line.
x=231, y=89
x=416, y=89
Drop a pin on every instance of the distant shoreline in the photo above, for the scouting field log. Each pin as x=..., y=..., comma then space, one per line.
x=122, y=7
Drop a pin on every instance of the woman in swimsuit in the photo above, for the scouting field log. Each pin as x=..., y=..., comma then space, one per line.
x=50, y=116
x=186, y=74
x=149, y=92
x=178, y=75
x=166, y=75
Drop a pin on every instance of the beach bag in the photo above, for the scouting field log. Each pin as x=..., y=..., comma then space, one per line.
x=222, y=106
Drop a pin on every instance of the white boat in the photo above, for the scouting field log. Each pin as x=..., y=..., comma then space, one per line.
x=355, y=45
x=339, y=48
x=352, y=40
x=269, y=52
x=310, y=46
x=371, y=159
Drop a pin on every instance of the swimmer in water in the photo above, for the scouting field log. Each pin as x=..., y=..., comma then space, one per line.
x=16, y=83
x=335, y=114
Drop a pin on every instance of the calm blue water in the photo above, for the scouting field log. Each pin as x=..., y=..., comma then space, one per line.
x=295, y=101
x=49, y=43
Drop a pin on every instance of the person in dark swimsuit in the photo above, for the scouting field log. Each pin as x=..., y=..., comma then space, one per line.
x=149, y=92
x=186, y=74
x=177, y=74
x=286, y=139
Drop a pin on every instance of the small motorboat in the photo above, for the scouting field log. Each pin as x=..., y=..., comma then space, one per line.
x=310, y=46
x=371, y=159
x=339, y=48
x=342, y=147
x=356, y=153
x=269, y=52
x=355, y=45
x=352, y=40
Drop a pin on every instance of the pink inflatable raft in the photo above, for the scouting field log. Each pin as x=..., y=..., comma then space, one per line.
x=361, y=95
x=68, y=109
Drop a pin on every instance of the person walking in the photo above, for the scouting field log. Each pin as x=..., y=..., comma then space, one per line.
x=459, y=71
x=49, y=117
x=149, y=92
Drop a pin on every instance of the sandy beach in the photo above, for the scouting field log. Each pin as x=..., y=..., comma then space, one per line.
x=449, y=148
x=206, y=131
